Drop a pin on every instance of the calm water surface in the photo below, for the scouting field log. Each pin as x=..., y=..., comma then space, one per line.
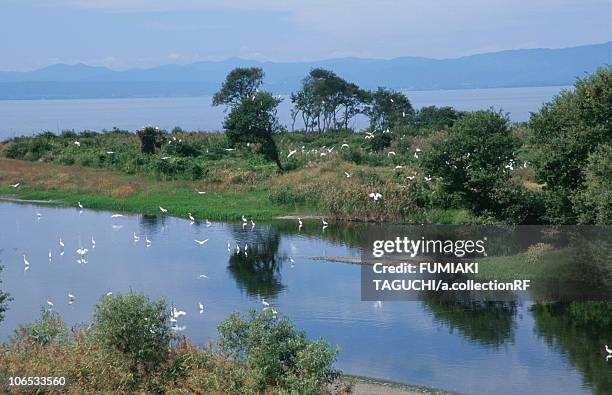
x=428, y=343
x=23, y=117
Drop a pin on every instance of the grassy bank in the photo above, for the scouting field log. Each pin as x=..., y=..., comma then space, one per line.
x=304, y=192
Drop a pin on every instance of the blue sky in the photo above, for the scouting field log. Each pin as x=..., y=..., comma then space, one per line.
x=141, y=33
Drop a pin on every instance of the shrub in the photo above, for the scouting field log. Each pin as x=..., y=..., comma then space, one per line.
x=150, y=139
x=277, y=355
x=4, y=299
x=48, y=329
x=593, y=202
x=134, y=327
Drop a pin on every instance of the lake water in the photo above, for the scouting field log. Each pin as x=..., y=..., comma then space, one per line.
x=24, y=117
x=492, y=350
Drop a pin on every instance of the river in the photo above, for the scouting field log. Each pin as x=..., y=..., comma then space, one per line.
x=492, y=350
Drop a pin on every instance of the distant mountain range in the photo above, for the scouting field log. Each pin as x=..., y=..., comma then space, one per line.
x=515, y=68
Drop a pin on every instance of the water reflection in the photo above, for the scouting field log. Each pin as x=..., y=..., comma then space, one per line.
x=485, y=322
x=255, y=263
x=578, y=330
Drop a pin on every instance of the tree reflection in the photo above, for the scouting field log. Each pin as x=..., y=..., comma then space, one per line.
x=579, y=330
x=258, y=271
x=489, y=323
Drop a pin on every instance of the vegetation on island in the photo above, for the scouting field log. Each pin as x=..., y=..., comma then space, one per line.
x=429, y=165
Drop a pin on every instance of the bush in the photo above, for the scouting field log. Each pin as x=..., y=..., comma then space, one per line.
x=136, y=328
x=150, y=139
x=47, y=330
x=277, y=355
x=4, y=299
x=593, y=202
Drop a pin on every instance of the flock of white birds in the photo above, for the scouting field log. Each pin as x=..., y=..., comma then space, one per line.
x=175, y=314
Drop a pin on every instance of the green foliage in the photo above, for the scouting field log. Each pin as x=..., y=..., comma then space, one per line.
x=379, y=142
x=593, y=201
x=565, y=132
x=327, y=101
x=150, y=139
x=471, y=158
x=435, y=118
x=4, y=299
x=48, y=329
x=240, y=83
x=254, y=120
x=136, y=328
x=388, y=109
x=277, y=355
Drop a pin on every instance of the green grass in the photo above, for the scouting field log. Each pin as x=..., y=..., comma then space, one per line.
x=553, y=265
x=216, y=206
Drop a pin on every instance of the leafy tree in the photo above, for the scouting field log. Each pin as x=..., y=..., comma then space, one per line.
x=388, y=109
x=136, y=328
x=239, y=83
x=254, y=120
x=566, y=131
x=276, y=354
x=593, y=202
x=150, y=139
x=472, y=157
x=327, y=101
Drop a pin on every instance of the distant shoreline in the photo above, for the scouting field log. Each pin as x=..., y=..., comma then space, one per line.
x=209, y=95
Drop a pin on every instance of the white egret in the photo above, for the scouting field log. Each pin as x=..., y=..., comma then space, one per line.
x=93, y=243
x=165, y=157
x=61, y=243
x=264, y=302
x=200, y=192
x=391, y=153
x=201, y=307
x=608, y=349
x=203, y=276
x=49, y=255
x=136, y=238
x=25, y=261
x=244, y=219
x=110, y=152
x=208, y=223
x=375, y=196
x=80, y=205
x=116, y=215
x=148, y=241
x=300, y=222
x=191, y=217
x=291, y=153
x=201, y=242
x=324, y=222
x=109, y=293
x=347, y=174
x=16, y=185
x=163, y=210
x=77, y=143
x=177, y=313
x=345, y=145
x=50, y=303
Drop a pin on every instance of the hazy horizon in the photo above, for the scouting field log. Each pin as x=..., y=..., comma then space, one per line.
x=125, y=34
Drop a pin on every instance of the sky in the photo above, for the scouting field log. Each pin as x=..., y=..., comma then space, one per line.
x=123, y=34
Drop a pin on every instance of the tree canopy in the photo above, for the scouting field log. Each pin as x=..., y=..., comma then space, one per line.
x=239, y=83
